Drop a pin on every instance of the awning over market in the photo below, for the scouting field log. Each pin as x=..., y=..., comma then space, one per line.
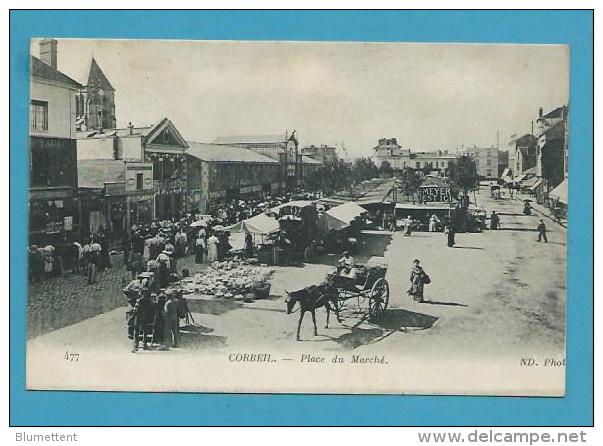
x=347, y=212
x=505, y=173
x=532, y=183
x=560, y=192
x=526, y=174
x=260, y=224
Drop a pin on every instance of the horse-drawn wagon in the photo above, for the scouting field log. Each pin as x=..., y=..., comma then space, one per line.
x=369, y=288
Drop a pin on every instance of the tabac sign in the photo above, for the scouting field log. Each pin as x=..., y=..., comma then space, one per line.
x=431, y=194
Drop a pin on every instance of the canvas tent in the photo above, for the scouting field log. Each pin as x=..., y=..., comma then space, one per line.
x=347, y=212
x=560, y=192
x=261, y=224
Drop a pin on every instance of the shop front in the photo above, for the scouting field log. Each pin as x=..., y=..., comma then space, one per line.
x=53, y=216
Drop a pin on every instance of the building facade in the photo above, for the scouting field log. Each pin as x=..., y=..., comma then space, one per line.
x=160, y=145
x=551, y=164
x=219, y=174
x=388, y=150
x=53, y=180
x=486, y=161
x=522, y=154
x=283, y=148
x=114, y=194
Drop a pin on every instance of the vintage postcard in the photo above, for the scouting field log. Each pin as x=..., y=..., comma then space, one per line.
x=300, y=217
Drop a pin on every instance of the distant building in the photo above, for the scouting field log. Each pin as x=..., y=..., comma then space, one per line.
x=114, y=194
x=522, y=154
x=161, y=144
x=388, y=150
x=95, y=104
x=218, y=174
x=486, y=161
x=53, y=179
x=281, y=147
x=322, y=153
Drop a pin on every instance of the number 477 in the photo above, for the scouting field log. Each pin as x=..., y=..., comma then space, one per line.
x=73, y=357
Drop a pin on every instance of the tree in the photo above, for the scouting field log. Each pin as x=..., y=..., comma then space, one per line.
x=463, y=174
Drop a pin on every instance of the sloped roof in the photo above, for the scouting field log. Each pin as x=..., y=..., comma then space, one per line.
x=96, y=73
x=42, y=70
x=223, y=153
x=556, y=113
x=253, y=139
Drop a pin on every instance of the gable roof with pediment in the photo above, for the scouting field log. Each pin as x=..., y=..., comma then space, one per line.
x=163, y=134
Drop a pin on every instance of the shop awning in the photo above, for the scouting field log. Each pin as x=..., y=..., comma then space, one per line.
x=531, y=183
x=347, y=212
x=560, y=192
x=260, y=224
x=505, y=173
x=526, y=174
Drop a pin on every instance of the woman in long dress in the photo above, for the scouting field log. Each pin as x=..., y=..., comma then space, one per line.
x=212, y=248
x=417, y=276
x=200, y=248
x=408, y=226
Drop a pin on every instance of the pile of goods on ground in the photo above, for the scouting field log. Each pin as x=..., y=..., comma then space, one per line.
x=233, y=279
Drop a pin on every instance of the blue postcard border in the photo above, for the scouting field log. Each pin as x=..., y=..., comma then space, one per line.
x=569, y=27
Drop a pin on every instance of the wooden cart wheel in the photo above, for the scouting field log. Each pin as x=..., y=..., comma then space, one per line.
x=378, y=299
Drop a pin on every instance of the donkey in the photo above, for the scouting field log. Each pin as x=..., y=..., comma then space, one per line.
x=311, y=298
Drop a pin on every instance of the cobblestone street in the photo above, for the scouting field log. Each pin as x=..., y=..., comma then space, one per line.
x=60, y=301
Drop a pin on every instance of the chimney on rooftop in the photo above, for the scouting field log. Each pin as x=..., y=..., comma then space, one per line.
x=540, y=112
x=48, y=52
x=131, y=128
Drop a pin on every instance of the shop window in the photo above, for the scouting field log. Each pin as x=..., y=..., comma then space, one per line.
x=39, y=116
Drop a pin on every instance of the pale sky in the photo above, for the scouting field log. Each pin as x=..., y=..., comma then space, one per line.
x=428, y=96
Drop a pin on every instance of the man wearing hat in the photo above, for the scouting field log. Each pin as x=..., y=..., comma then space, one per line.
x=542, y=231
x=144, y=317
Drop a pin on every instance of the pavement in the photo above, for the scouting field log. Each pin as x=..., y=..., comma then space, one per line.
x=495, y=298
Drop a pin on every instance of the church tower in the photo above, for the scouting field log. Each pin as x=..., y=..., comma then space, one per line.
x=95, y=105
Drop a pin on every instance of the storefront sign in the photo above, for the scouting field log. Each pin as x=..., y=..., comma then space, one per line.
x=250, y=189
x=68, y=223
x=217, y=194
x=430, y=194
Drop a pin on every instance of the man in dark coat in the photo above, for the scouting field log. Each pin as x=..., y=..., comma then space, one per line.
x=542, y=231
x=494, y=220
x=144, y=317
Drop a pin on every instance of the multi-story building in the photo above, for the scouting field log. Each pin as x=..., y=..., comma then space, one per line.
x=551, y=164
x=282, y=148
x=388, y=150
x=486, y=161
x=522, y=154
x=95, y=104
x=161, y=145
x=218, y=174
x=53, y=179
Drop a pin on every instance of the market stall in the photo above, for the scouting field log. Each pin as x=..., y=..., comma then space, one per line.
x=236, y=280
